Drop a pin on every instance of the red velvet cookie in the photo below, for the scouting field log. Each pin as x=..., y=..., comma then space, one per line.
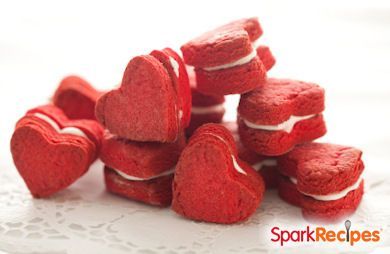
x=328, y=178
x=222, y=45
x=282, y=114
x=288, y=191
x=77, y=98
x=50, y=151
x=140, y=171
x=224, y=59
x=205, y=108
x=211, y=183
x=153, y=101
x=265, y=55
x=266, y=166
x=178, y=74
x=155, y=191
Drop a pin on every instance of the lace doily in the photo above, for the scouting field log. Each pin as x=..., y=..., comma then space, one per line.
x=86, y=219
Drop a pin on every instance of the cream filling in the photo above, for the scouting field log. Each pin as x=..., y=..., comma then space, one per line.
x=255, y=43
x=180, y=114
x=175, y=65
x=266, y=163
x=134, y=178
x=286, y=126
x=235, y=164
x=237, y=167
x=241, y=61
x=67, y=130
x=207, y=110
x=293, y=180
x=334, y=195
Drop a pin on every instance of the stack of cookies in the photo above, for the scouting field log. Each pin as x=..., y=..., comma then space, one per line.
x=52, y=151
x=277, y=119
x=145, y=120
x=226, y=55
x=139, y=131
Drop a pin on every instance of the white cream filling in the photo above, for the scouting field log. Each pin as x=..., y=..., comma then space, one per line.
x=241, y=61
x=237, y=167
x=266, y=163
x=334, y=195
x=134, y=178
x=293, y=180
x=255, y=44
x=207, y=110
x=67, y=130
x=180, y=114
x=286, y=126
x=175, y=65
x=235, y=164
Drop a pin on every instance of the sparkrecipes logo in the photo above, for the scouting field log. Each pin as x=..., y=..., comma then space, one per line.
x=322, y=234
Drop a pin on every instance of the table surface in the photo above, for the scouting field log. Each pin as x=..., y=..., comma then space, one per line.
x=343, y=47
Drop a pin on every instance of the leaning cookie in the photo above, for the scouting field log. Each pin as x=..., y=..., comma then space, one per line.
x=327, y=177
x=77, y=98
x=153, y=102
x=141, y=171
x=283, y=113
x=225, y=60
x=211, y=183
x=50, y=151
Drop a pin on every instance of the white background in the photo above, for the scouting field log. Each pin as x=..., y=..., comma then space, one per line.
x=342, y=45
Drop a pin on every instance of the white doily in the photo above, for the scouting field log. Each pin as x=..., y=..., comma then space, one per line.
x=86, y=219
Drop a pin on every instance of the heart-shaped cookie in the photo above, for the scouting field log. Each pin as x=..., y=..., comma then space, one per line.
x=223, y=45
x=211, y=183
x=324, y=179
x=153, y=102
x=50, y=151
x=282, y=114
x=225, y=60
x=77, y=98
